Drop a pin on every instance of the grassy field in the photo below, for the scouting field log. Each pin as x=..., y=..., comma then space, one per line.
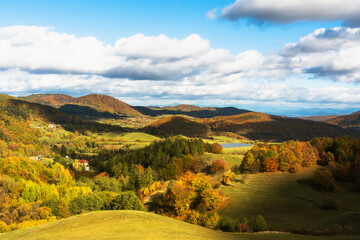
x=288, y=202
x=230, y=160
x=108, y=225
x=133, y=140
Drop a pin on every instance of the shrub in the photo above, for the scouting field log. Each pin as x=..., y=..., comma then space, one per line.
x=210, y=198
x=227, y=224
x=330, y=203
x=211, y=220
x=324, y=179
x=218, y=166
x=194, y=217
x=226, y=179
x=243, y=225
x=126, y=201
x=4, y=227
x=259, y=224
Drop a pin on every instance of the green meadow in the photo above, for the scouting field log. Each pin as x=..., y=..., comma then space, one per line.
x=289, y=203
x=121, y=225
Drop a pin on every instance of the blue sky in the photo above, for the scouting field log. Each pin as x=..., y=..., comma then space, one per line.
x=296, y=58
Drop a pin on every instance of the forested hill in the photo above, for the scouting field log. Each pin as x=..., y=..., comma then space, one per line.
x=190, y=110
x=346, y=121
x=261, y=126
x=177, y=125
x=89, y=107
x=55, y=100
x=17, y=119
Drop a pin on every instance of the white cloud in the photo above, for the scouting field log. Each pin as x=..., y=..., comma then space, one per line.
x=38, y=59
x=326, y=53
x=212, y=14
x=294, y=10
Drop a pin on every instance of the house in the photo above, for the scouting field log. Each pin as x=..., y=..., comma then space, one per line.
x=85, y=164
x=51, y=126
x=39, y=157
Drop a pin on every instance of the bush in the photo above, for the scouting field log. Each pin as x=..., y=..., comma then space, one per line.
x=330, y=204
x=211, y=220
x=4, y=227
x=194, y=217
x=218, y=166
x=126, y=201
x=243, y=225
x=324, y=179
x=92, y=202
x=227, y=224
x=259, y=224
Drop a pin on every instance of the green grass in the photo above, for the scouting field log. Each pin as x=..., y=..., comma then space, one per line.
x=230, y=160
x=131, y=137
x=119, y=225
x=288, y=202
x=237, y=150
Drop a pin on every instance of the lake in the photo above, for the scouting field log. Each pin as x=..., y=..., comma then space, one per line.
x=233, y=145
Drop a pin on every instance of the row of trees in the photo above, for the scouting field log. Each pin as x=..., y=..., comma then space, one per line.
x=287, y=156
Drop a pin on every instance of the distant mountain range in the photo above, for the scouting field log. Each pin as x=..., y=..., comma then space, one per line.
x=202, y=120
x=190, y=110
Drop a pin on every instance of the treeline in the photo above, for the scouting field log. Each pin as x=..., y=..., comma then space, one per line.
x=288, y=156
x=168, y=159
x=340, y=155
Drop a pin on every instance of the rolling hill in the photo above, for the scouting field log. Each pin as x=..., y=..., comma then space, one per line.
x=252, y=125
x=190, y=110
x=319, y=118
x=121, y=225
x=176, y=125
x=23, y=112
x=91, y=106
x=346, y=121
x=261, y=126
x=55, y=100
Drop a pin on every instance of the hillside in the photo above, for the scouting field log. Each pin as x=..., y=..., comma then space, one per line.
x=261, y=126
x=134, y=225
x=91, y=106
x=346, y=121
x=190, y=110
x=55, y=100
x=22, y=112
x=176, y=125
x=319, y=118
x=106, y=104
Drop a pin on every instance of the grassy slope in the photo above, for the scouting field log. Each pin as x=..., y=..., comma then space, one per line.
x=131, y=225
x=288, y=202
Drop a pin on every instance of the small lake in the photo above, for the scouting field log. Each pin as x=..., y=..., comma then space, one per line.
x=233, y=145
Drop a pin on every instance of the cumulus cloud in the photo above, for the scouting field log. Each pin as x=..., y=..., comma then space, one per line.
x=276, y=11
x=138, y=57
x=328, y=53
x=158, y=69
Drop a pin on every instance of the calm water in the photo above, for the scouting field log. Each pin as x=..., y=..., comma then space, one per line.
x=232, y=145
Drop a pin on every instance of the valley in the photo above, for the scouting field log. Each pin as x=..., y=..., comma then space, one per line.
x=88, y=161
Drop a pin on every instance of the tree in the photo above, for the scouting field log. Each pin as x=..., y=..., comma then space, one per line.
x=324, y=179
x=218, y=166
x=247, y=162
x=126, y=201
x=259, y=224
x=216, y=148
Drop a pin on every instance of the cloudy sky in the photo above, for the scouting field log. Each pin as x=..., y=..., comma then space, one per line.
x=294, y=57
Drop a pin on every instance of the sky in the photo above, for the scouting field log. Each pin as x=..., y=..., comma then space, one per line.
x=294, y=57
